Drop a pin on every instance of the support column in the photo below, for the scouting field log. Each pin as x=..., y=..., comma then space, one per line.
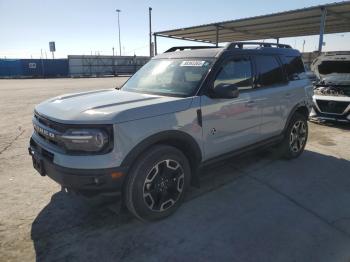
x=322, y=26
x=217, y=36
x=155, y=44
x=278, y=40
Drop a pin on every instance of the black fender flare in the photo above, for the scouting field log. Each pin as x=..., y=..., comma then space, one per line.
x=179, y=139
x=292, y=112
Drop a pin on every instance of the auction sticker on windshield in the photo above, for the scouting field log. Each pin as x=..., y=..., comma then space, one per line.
x=192, y=63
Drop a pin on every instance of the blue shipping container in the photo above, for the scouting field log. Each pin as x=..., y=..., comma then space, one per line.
x=10, y=68
x=34, y=68
x=45, y=67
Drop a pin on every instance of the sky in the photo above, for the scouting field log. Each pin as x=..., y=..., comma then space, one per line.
x=83, y=27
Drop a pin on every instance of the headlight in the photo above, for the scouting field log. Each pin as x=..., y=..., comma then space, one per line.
x=85, y=140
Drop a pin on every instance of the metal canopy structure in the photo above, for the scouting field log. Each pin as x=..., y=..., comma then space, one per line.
x=322, y=19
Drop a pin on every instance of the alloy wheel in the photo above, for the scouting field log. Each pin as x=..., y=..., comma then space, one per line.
x=163, y=185
x=297, y=136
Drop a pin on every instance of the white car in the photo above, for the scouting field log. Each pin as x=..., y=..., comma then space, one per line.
x=332, y=89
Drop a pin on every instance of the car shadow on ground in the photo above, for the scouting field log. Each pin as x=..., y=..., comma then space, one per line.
x=70, y=229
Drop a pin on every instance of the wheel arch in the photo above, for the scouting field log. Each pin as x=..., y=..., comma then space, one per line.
x=301, y=109
x=178, y=139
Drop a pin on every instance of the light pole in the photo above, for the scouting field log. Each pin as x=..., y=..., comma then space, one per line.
x=150, y=31
x=120, y=46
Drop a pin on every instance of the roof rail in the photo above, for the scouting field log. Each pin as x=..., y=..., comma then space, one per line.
x=233, y=45
x=181, y=48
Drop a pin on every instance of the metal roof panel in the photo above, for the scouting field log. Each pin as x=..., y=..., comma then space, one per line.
x=292, y=23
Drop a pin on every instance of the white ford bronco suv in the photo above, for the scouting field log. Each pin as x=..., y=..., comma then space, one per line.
x=181, y=111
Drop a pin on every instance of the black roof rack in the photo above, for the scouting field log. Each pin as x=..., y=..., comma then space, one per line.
x=233, y=45
x=181, y=48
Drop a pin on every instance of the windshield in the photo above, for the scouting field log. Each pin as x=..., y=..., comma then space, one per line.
x=173, y=77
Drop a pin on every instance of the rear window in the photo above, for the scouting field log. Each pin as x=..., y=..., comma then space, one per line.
x=269, y=71
x=293, y=66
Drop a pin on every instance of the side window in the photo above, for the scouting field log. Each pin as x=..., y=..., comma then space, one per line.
x=294, y=67
x=269, y=71
x=237, y=71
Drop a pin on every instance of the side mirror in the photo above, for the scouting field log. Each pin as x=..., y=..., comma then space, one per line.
x=225, y=91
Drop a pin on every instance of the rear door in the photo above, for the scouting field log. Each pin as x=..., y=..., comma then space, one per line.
x=274, y=93
x=229, y=124
x=298, y=82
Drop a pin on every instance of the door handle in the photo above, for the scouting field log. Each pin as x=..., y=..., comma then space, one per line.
x=288, y=95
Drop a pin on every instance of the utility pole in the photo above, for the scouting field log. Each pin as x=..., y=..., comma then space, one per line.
x=113, y=61
x=42, y=63
x=150, y=31
x=120, y=46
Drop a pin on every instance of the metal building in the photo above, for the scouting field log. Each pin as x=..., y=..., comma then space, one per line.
x=95, y=65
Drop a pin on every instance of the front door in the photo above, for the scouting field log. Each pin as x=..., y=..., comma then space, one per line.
x=229, y=124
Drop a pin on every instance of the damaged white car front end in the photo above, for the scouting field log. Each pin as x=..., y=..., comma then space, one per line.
x=331, y=100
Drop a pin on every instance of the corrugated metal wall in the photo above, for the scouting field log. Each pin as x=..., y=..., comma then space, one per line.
x=105, y=65
x=33, y=68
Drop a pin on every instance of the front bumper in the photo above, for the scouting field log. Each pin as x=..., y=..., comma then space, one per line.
x=327, y=109
x=325, y=117
x=316, y=115
x=84, y=181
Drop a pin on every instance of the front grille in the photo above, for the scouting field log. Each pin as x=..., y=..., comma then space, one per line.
x=55, y=128
x=51, y=131
x=332, y=107
x=47, y=139
x=51, y=124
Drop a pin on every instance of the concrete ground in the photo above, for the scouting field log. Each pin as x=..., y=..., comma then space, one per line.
x=254, y=208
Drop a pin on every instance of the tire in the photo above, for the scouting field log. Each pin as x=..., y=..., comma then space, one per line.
x=157, y=183
x=295, y=137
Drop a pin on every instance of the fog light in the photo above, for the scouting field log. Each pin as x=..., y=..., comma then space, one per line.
x=96, y=181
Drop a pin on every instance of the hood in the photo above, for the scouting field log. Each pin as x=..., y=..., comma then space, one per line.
x=108, y=107
x=332, y=69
